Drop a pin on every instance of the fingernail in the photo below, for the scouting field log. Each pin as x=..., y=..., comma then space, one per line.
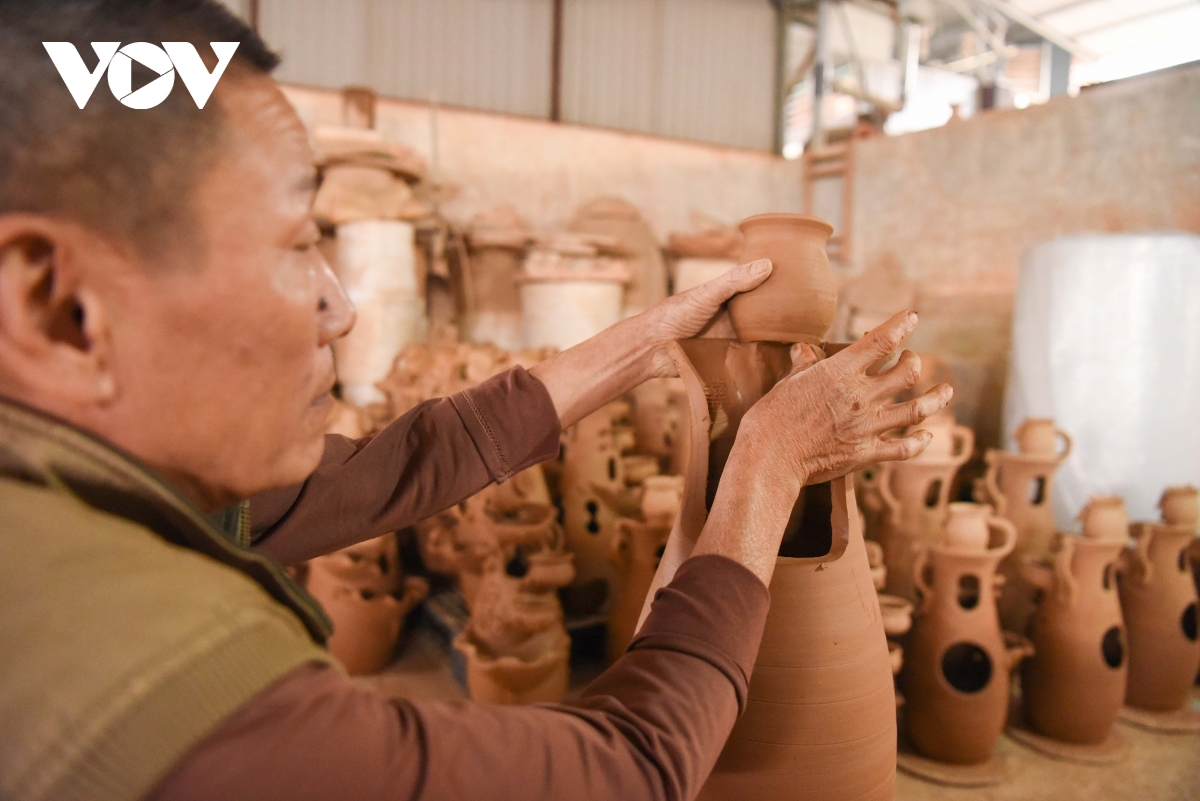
x=760, y=266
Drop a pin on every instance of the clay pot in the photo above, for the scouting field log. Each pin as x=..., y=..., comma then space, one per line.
x=496, y=242
x=897, y=615
x=508, y=680
x=1104, y=519
x=820, y=717
x=622, y=221
x=366, y=624
x=1020, y=486
x=1180, y=507
x=966, y=526
x=1074, y=684
x=372, y=565
x=657, y=415
x=569, y=297
x=1037, y=436
x=958, y=661
x=797, y=303
x=875, y=562
x=950, y=440
x=916, y=497
x=636, y=551
x=1158, y=600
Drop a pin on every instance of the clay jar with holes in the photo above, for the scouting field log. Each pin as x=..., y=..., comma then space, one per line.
x=1020, y=486
x=798, y=301
x=958, y=661
x=916, y=495
x=820, y=719
x=1158, y=600
x=1074, y=684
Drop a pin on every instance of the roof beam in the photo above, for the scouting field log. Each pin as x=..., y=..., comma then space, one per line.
x=1043, y=30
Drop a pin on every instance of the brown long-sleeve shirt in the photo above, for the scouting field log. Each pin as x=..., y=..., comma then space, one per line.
x=650, y=726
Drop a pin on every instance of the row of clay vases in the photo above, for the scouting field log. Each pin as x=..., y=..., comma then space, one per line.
x=1074, y=684
x=916, y=494
x=1020, y=486
x=820, y=716
x=636, y=551
x=1158, y=599
x=366, y=595
x=958, y=662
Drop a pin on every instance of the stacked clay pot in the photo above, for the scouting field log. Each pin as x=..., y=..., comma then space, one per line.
x=366, y=595
x=958, y=661
x=496, y=242
x=616, y=218
x=1020, y=486
x=1074, y=684
x=916, y=494
x=1158, y=599
x=820, y=715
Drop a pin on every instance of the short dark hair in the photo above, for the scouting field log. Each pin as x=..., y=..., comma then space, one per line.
x=127, y=173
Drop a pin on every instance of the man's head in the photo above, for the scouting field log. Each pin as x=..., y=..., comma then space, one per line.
x=159, y=281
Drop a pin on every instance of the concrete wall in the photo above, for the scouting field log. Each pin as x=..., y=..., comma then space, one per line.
x=957, y=207
x=548, y=169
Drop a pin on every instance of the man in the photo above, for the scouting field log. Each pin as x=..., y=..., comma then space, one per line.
x=165, y=321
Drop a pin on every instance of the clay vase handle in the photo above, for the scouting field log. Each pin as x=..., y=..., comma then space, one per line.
x=1010, y=535
x=1137, y=559
x=993, y=488
x=1037, y=574
x=964, y=443
x=918, y=574
x=1067, y=443
x=884, y=483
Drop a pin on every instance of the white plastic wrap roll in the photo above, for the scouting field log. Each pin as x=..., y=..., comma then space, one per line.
x=376, y=265
x=1106, y=340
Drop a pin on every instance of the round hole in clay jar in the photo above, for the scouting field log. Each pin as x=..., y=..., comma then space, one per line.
x=968, y=591
x=1189, y=621
x=1108, y=575
x=934, y=493
x=1183, y=560
x=967, y=667
x=593, y=526
x=1037, y=490
x=518, y=566
x=612, y=469
x=1112, y=647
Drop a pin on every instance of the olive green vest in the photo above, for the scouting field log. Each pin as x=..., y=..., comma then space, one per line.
x=129, y=626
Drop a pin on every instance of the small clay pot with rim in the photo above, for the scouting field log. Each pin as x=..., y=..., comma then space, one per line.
x=797, y=303
x=958, y=660
x=1038, y=436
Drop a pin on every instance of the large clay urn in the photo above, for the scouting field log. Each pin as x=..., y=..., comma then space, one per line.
x=916, y=495
x=797, y=303
x=1020, y=486
x=820, y=718
x=958, y=661
x=1158, y=599
x=1074, y=684
x=496, y=241
x=621, y=220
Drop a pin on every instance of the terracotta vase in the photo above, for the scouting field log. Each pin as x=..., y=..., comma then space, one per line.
x=1104, y=519
x=622, y=221
x=958, y=661
x=496, y=242
x=1158, y=600
x=508, y=680
x=1020, y=486
x=1038, y=436
x=657, y=419
x=875, y=562
x=797, y=303
x=916, y=495
x=820, y=718
x=366, y=624
x=950, y=440
x=1181, y=507
x=1073, y=686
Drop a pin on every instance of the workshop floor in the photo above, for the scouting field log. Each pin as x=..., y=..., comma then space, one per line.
x=1161, y=767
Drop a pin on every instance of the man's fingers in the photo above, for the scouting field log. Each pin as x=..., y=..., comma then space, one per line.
x=882, y=340
x=897, y=450
x=803, y=357
x=914, y=412
x=742, y=278
x=900, y=376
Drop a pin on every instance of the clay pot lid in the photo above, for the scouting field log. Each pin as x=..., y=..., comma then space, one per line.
x=780, y=218
x=336, y=144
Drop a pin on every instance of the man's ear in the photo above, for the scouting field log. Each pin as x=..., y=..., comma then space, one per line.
x=54, y=337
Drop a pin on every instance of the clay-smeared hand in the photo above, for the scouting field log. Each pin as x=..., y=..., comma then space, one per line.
x=829, y=417
x=700, y=311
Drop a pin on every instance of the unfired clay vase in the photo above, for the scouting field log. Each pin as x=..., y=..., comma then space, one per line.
x=619, y=219
x=1020, y=486
x=798, y=301
x=569, y=292
x=950, y=440
x=1158, y=600
x=958, y=661
x=820, y=718
x=1180, y=507
x=1074, y=684
x=915, y=495
x=496, y=242
x=636, y=551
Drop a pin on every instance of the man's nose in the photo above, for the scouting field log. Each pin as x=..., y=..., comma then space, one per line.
x=335, y=312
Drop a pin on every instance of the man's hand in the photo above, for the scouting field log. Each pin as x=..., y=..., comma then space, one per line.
x=829, y=419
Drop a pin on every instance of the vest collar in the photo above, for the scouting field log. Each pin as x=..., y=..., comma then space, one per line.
x=41, y=449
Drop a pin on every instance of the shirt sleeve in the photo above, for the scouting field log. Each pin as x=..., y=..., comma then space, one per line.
x=650, y=727
x=429, y=459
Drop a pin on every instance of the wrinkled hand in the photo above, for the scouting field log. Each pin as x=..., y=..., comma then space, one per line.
x=700, y=311
x=828, y=417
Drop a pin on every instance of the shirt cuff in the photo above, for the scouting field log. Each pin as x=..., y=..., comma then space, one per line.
x=715, y=610
x=512, y=421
